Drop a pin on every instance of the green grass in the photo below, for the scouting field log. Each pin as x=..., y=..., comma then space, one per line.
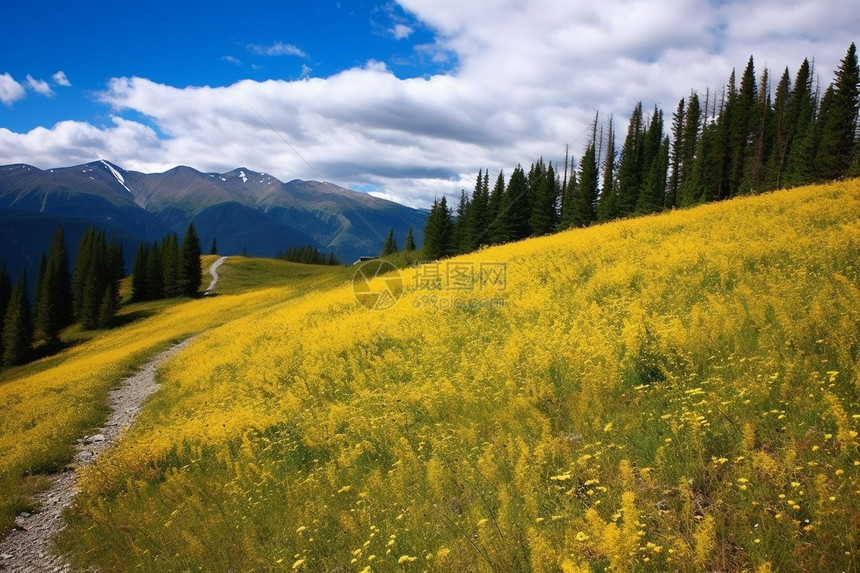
x=242, y=274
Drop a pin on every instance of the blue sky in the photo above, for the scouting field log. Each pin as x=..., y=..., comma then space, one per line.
x=406, y=99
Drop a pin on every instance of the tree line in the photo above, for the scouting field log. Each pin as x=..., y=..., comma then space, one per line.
x=167, y=269
x=308, y=255
x=746, y=139
x=389, y=247
x=89, y=294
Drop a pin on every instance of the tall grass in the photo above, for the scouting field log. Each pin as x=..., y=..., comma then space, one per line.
x=46, y=405
x=671, y=393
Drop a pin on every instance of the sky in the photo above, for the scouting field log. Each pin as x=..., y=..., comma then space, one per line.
x=405, y=100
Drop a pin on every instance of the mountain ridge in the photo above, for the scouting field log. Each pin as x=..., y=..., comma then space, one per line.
x=245, y=211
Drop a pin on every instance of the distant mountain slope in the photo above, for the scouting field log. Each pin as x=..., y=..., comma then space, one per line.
x=242, y=209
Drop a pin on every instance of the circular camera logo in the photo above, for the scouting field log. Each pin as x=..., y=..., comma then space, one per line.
x=377, y=285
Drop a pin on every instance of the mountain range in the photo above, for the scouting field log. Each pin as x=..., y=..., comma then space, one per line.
x=243, y=210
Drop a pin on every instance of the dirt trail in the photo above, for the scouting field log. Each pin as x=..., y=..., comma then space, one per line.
x=28, y=548
x=213, y=270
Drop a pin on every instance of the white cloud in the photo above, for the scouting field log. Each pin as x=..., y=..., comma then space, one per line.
x=60, y=79
x=277, y=49
x=39, y=86
x=529, y=78
x=401, y=31
x=10, y=90
x=232, y=60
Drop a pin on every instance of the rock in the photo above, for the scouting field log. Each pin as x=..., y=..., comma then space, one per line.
x=85, y=454
x=97, y=438
x=5, y=556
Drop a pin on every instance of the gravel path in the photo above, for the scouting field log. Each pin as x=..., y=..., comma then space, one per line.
x=28, y=548
x=213, y=270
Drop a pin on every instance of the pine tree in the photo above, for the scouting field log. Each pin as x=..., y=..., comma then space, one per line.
x=409, y=243
x=515, y=208
x=654, y=164
x=438, y=232
x=761, y=132
x=494, y=211
x=544, y=218
x=170, y=266
x=139, y=276
x=213, y=250
x=17, y=325
x=479, y=213
x=607, y=203
x=838, y=120
x=190, y=269
x=53, y=300
x=781, y=134
x=741, y=124
x=390, y=246
x=584, y=196
x=675, y=154
x=460, y=238
x=630, y=164
x=5, y=296
x=155, y=273
x=799, y=164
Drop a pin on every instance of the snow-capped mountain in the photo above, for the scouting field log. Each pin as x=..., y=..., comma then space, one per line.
x=243, y=210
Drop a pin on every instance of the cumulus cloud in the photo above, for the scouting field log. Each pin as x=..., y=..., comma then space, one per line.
x=401, y=31
x=277, y=49
x=39, y=86
x=60, y=79
x=10, y=90
x=529, y=78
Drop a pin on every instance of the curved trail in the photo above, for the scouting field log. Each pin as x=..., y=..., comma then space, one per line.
x=28, y=548
x=213, y=270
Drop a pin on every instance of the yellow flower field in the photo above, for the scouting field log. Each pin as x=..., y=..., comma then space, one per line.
x=676, y=392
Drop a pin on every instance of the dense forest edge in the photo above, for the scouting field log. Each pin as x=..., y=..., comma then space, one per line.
x=743, y=139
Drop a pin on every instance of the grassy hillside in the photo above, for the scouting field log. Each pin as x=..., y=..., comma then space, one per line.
x=677, y=392
x=47, y=404
x=671, y=393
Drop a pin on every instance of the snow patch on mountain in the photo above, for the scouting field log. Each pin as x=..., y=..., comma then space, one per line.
x=244, y=178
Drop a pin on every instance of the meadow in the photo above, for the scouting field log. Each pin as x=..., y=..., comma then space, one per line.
x=677, y=392
x=47, y=404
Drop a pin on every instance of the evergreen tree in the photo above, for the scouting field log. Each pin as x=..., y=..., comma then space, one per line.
x=170, y=266
x=799, y=167
x=630, y=164
x=409, y=243
x=740, y=124
x=438, y=232
x=781, y=133
x=761, y=128
x=460, y=240
x=653, y=187
x=675, y=154
x=495, y=219
x=584, y=196
x=155, y=273
x=213, y=250
x=139, y=275
x=390, y=246
x=190, y=269
x=17, y=325
x=838, y=121
x=476, y=234
x=607, y=204
x=53, y=300
x=5, y=296
x=515, y=209
x=544, y=218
